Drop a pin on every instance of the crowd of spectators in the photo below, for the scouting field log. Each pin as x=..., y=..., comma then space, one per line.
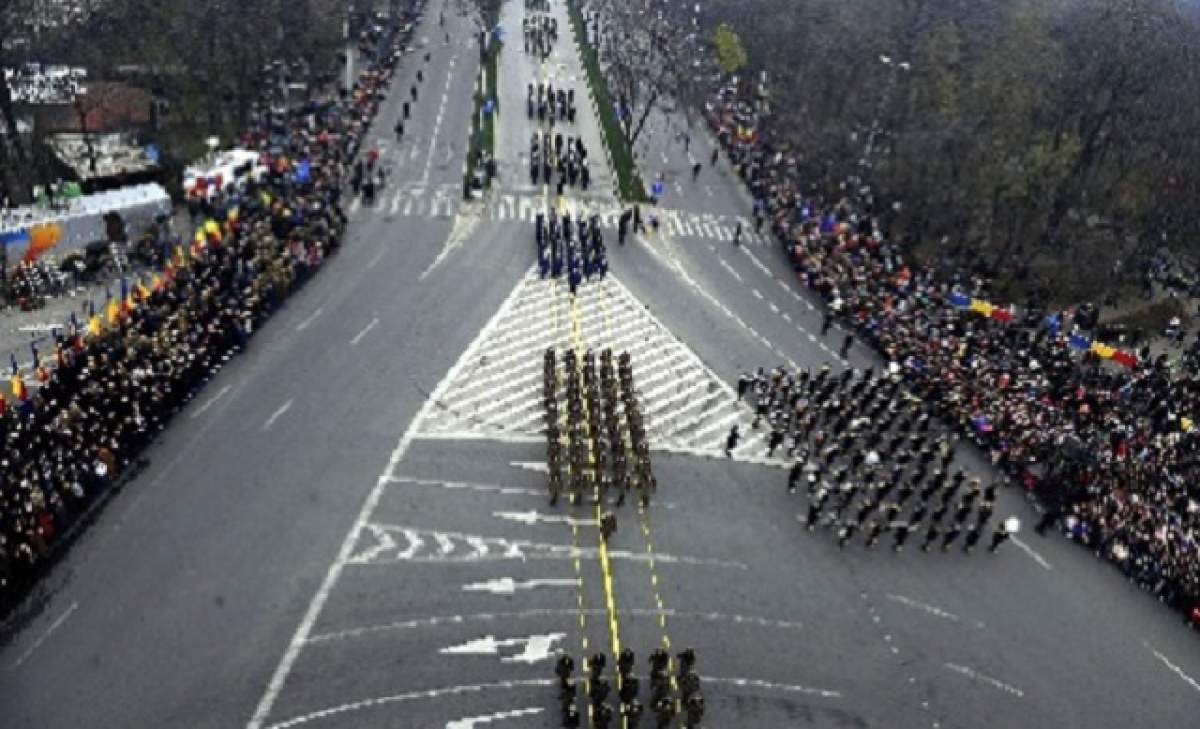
x=1110, y=452
x=116, y=378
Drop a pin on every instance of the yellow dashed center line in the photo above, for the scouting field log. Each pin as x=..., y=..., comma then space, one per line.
x=644, y=522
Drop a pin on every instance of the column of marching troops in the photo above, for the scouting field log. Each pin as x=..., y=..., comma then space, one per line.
x=575, y=248
x=871, y=458
x=604, y=433
x=541, y=31
x=669, y=694
x=550, y=104
x=552, y=154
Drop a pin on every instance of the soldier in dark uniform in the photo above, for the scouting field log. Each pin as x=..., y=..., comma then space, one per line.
x=732, y=440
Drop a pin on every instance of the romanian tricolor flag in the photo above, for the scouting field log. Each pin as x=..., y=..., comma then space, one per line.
x=112, y=312
x=126, y=298
x=1125, y=358
x=140, y=291
x=1103, y=350
x=982, y=307
x=156, y=281
x=94, y=326
x=18, y=388
x=212, y=229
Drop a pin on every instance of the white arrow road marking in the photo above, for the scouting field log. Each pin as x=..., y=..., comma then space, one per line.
x=445, y=543
x=385, y=543
x=533, y=648
x=496, y=548
x=532, y=517
x=508, y=586
x=470, y=723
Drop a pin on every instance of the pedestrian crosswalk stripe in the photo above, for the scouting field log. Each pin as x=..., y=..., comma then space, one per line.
x=443, y=202
x=498, y=394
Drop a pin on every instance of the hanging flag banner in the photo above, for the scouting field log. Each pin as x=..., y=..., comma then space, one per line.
x=982, y=307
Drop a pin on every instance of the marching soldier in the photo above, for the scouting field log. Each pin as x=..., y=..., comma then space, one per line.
x=731, y=441
x=608, y=525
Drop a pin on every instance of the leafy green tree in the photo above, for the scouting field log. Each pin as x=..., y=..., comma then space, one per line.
x=731, y=54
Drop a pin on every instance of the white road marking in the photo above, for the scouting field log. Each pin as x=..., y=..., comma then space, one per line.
x=470, y=723
x=534, y=648
x=757, y=294
x=541, y=613
x=509, y=586
x=933, y=610
x=376, y=258
x=532, y=517
x=1032, y=554
x=210, y=402
x=535, y=466
x=44, y=636
x=358, y=337
x=437, y=125
x=495, y=435
x=411, y=696
x=480, y=548
x=460, y=231
x=465, y=486
x=995, y=683
x=309, y=320
x=789, y=688
x=275, y=415
x=1174, y=668
x=284, y=669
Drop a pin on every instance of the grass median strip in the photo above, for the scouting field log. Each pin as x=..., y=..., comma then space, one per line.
x=629, y=182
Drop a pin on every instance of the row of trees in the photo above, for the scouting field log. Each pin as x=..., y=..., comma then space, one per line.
x=648, y=59
x=1047, y=143
x=204, y=62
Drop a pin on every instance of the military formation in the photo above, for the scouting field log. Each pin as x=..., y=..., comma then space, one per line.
x=541, y=31
x=596, y=445
x=554, y=159
x=872, y=460
x=550, y=104
x=574, y=248
x=671, y=693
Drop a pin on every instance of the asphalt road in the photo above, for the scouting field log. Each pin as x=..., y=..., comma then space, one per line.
x=348, y=527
